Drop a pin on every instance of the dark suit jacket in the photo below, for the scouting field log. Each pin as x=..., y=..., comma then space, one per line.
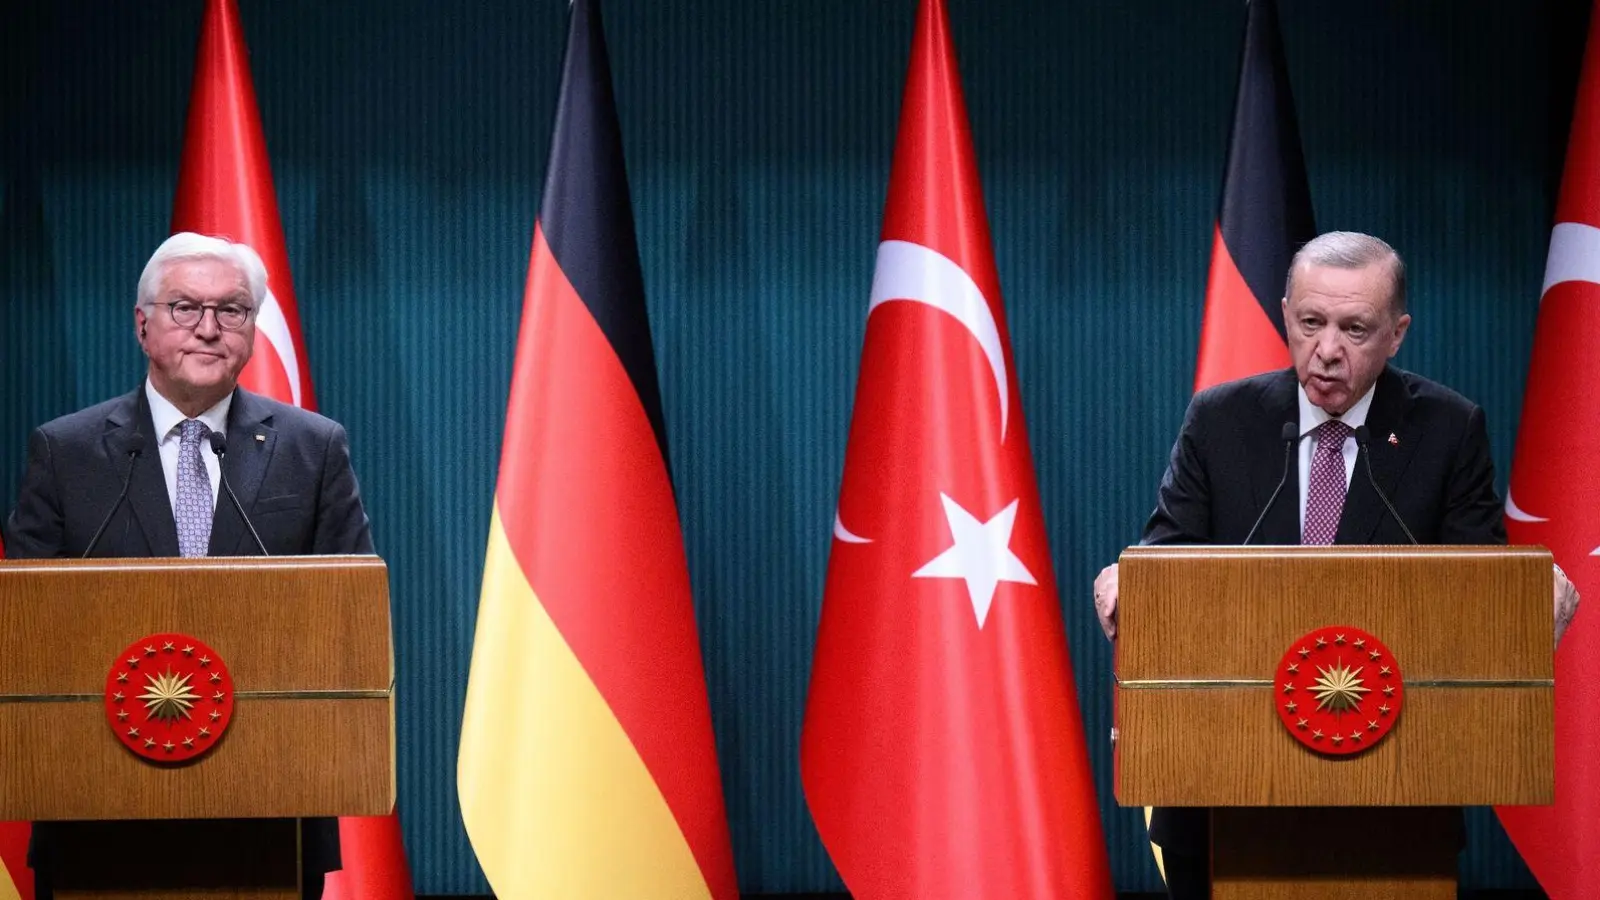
x=1229, y=456
x=290, y=469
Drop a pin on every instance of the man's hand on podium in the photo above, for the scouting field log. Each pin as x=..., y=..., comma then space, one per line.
x=1566, y=602
x=1105, y=600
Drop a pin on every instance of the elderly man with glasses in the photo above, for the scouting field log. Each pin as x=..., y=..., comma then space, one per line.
x=170, y=441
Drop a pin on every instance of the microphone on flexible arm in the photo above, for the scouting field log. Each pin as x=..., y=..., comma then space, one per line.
x=137, y=444
x=219, y=446
x=1362, y=436
x=1290, y=435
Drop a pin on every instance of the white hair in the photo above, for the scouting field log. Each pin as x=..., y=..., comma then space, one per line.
x=186, y=246
x=1353, y=250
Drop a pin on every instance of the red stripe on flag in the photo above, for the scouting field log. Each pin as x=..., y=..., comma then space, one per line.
x=1237, y=339
x=588, y=509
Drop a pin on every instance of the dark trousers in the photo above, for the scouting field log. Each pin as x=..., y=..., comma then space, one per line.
x=310, y=886
x=1188, y=876
x=1184, y=836
x=319, y=849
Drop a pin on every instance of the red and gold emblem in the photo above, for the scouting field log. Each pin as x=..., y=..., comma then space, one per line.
x=169, y=698
x=1338, y=690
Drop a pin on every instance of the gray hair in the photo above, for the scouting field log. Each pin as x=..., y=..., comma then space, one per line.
x=186, y=246
x=1353, y=250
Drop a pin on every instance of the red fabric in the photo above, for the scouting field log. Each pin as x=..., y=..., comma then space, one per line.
x=943, y=754
x=1554, y=500
x=586, y=501
x=374, y=861
x=225, y=189
x=1237, y=339
x=14, y=842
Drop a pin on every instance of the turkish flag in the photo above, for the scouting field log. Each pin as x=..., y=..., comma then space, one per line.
x=1554, y=500
x=225, y=189
x=943, y=754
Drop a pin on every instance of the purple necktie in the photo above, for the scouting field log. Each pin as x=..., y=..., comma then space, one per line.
x=1325, y=487
x=192, y=512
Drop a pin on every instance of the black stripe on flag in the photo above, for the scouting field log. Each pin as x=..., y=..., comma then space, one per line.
x=1266, y=201
x=586, y=213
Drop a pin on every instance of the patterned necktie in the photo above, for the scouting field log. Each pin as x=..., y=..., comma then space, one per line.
x=1326, y=487
x=193, y=509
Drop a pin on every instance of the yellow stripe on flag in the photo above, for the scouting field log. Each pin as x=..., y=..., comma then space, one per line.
x=8, y=888
x=556, y=800
x=1155, y=849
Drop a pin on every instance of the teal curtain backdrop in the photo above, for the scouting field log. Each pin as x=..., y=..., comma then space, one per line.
x=408, y=140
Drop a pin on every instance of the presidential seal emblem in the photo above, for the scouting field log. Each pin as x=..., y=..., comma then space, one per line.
x=169, y=698
x=1338, y=690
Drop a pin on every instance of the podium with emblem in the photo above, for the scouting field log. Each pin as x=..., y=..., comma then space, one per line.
x=1334, y=706
x=169, y=721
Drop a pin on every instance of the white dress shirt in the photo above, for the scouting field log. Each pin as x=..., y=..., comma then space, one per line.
x=1310, y=417
x=168, y=421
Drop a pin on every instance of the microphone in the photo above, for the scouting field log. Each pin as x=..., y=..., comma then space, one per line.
x=219, y=446
x=137, y=443
x=1290, y=435
x=1362, y=436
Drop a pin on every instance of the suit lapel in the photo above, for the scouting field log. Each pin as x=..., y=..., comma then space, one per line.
x=1281, y=524
x=1363, y=509
x=128, y=428
x=246, y=467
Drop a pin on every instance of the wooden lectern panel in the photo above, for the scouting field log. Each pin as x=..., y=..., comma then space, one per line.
x=1201, y=632
x=306, y=639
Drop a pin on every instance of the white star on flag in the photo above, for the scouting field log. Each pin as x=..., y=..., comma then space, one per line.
x=981, y=555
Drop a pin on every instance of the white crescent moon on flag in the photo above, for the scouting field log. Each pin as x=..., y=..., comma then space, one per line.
x=275, y=328
x=914, y=273
x=845, y=534
x=1574, y=255
x=1515, y=512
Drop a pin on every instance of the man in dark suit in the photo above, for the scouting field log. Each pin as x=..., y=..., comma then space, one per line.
x=195, y=320
x=1345, y=318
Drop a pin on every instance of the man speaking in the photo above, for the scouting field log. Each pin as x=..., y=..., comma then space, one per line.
x=188, y=463
x=1345, y=317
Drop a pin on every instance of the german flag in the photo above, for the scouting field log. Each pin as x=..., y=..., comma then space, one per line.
x=587, y=766
x=1265, y=216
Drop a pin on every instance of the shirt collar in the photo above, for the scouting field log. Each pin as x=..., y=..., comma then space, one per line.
x=1312, y=415
x=166, y=417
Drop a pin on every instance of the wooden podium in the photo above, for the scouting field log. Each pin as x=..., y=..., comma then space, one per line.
x=307, y=644
x=1201, y=632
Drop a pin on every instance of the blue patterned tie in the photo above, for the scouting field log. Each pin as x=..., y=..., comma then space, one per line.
x=1326, y=486
x=194, y=506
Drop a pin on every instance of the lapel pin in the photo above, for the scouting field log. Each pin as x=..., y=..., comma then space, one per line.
x=1393, y=441
x=262, y=439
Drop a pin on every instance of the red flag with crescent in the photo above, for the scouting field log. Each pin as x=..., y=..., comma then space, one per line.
x=225, y=189
x=1554, y=500
x=943, y=754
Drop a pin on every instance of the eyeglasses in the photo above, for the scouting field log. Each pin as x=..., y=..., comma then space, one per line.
x=187, y=313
